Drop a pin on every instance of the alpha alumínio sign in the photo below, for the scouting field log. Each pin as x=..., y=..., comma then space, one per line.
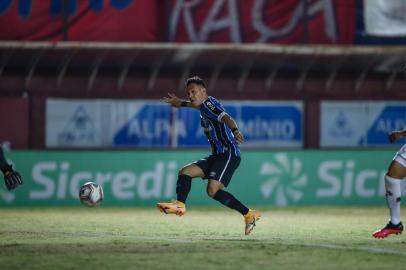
x=385, y=18
x=264, y=124
x=144, y=178
x=98, y=123
x=360, y=123
x=87, y=123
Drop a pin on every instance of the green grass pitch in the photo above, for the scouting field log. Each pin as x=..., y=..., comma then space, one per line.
x=205, y=238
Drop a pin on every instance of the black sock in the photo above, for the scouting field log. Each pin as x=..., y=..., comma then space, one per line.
x=183, y=187
x=230, y=201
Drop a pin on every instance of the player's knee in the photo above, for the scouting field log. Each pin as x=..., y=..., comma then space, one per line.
x=184, y=171
x=396, y=170
x=211, y=191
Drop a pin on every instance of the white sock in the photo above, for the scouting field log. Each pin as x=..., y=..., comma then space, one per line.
x=392, y=186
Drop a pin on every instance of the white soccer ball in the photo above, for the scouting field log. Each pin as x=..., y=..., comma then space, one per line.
x=91, y=194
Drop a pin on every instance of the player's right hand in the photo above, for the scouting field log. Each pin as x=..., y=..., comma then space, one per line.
x=173, y=100
x=12, y=178
x=239, y=138
x=394, y=136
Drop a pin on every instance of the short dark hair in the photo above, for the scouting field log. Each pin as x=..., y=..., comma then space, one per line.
x=195, y=80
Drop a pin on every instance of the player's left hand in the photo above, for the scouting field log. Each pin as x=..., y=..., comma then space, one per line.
x=173, y=100
x=394, y=136
x=12, y=178
x=239, y=138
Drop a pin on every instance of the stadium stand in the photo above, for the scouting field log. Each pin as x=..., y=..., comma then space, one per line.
x=238, y=72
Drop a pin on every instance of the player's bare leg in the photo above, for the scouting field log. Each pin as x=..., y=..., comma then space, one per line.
x=183, y=186
x=395, y=174
x=215, y=190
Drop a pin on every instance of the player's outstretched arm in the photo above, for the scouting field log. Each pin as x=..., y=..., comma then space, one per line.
x=176, y=102
x=396, y=135
x=12, y=178
x=238, y=136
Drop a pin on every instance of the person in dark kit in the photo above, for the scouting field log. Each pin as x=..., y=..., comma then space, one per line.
x=224, y=136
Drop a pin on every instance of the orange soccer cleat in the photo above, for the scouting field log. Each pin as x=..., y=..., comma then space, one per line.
x=175, y=207
x=250, y=218
x=388, y=230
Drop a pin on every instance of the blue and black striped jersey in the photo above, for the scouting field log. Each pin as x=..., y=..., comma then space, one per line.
x=218, y=134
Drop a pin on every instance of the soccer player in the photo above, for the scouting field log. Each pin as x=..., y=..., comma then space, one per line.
x=224, y=136
x=393, y=178
x=12, y=178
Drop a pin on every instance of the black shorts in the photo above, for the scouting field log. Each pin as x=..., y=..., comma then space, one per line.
x=220, y=167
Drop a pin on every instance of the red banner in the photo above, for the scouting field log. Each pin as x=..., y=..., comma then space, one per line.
x=91, y=20
x=260, y=21
x=29, y=23
x=244, y=21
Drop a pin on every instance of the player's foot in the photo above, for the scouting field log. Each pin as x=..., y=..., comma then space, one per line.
x=250, y=218
x=388, y=230
x=175, y=207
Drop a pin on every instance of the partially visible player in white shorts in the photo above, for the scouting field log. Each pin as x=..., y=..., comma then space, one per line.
x=400, y=156
x=396, y=173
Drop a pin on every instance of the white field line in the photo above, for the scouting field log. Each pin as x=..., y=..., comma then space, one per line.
x=206, y=238
x=356, y=248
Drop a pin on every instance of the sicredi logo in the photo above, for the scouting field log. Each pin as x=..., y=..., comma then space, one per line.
x=342, y=178
x=285, y=179
x=58, y=180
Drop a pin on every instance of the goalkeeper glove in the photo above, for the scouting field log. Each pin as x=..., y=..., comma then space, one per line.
x=12, y=178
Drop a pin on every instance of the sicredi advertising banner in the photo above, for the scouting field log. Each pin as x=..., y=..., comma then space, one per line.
x=142, y=178
x=151, y=123
x=349, y=124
